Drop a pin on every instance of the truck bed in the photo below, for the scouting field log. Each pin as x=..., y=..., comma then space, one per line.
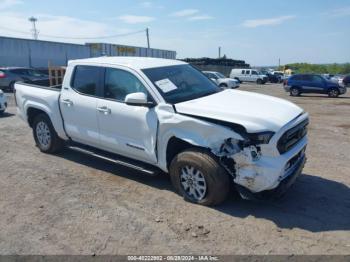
x=38, y=95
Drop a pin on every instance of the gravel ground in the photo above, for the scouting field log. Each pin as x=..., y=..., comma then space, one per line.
x=74, y=204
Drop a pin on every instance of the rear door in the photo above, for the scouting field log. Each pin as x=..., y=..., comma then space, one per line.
x=78, y=104
x=127, y=130
x=313, y=84
x=247, y=75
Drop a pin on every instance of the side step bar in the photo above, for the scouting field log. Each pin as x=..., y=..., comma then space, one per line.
x=145, y=168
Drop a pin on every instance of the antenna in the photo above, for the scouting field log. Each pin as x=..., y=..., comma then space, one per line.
x=35, y=32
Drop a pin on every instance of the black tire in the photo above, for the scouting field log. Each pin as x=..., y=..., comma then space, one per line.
x=333, y=92
x=223, y=85
x=259, y=82
x=11, y=87
x=54, y=143
x=217, y=181
x=294, y=91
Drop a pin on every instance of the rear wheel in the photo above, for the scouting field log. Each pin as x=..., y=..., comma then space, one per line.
x=45, y=135
x=199, y=178
x=333, y=92
x=294, y=91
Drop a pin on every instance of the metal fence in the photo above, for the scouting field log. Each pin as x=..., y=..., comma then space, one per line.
x=38, y=54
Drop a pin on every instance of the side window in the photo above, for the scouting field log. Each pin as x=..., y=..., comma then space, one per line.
x=307, y=78
x=213, y=76
x=86, y=79
x=254, y=73
x=243, y=72
x=317, y=79
x=247, y=72
x=120, y=83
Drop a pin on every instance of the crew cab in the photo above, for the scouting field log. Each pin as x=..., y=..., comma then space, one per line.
x=221, y=80
x=312, y=83
x=164, y=115
x=248, y=75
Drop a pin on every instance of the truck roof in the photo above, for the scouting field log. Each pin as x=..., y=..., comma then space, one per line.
x=130, y=61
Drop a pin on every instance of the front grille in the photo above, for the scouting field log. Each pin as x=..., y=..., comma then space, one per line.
x=292, y=136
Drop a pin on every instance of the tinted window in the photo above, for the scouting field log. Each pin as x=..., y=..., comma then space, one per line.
x=317, y=79
x=119, y=83
x=86, y=79
x=297, y=77
x=243, y=72
x=180, y=83
x=254, y=73
x=19, y=71
x=247, y=72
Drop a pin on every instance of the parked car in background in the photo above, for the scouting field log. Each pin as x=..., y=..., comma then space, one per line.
x=273, y=78
x=221, y=80
x=346, y=81
x=10, y=75
x=248, y=75
x=3, y=102
x=310, y=83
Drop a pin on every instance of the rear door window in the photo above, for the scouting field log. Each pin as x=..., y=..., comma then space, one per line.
x=243, y=72
x=87, y=79
x=247, y=72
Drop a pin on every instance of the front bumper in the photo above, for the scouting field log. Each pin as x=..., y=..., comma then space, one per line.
x=281, y=189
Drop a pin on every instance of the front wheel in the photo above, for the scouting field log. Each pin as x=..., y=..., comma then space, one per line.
x=199, y=178
x=333, y=92
x=45, y=135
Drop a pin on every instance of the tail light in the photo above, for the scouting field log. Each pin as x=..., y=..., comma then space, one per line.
x=2, y=74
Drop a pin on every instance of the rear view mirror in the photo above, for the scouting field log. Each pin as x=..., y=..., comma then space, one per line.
x=138, y=99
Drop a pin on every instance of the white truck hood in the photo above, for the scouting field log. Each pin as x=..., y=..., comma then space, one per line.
x=255, y=112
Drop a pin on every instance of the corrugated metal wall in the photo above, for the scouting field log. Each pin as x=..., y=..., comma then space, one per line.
x=100, y=49
x=36, y=53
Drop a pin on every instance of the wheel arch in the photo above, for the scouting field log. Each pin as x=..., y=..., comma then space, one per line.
x=32, y=112
x=177, y=145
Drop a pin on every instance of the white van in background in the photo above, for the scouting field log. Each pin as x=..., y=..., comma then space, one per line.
x=248, y=75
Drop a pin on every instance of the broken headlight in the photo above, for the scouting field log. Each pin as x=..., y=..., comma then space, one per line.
x=260, y=138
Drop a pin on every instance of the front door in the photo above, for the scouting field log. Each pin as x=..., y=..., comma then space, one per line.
x=127, y=130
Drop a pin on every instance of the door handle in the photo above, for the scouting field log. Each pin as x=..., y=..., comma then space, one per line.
x=104, y=110
x=67, y=102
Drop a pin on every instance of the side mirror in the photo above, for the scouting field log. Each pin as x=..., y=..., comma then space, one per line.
x=138, y=99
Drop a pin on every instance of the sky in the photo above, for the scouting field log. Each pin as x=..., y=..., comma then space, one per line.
x=257, y=31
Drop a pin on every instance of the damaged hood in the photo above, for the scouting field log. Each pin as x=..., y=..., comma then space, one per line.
x=255, y=112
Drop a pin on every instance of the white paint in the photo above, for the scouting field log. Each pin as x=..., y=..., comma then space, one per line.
x=134, y=131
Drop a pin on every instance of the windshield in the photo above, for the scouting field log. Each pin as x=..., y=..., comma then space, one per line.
x=180, y=83
x=220, y=75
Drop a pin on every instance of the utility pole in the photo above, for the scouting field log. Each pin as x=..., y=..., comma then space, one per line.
x=147, y=34
x=219, y=51
x=279, y=63
x=34, y=30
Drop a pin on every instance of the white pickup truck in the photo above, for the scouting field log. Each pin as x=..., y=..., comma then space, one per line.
x=164, y=115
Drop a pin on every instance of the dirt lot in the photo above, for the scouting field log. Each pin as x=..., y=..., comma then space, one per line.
x=73, y=204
